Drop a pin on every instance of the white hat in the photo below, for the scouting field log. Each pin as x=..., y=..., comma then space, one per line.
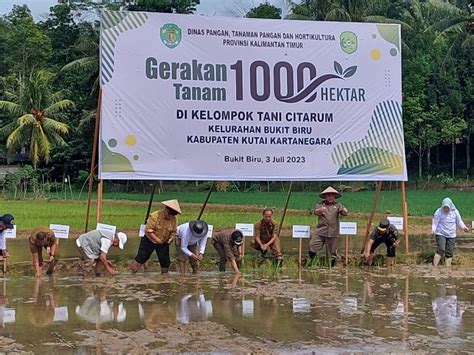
x=122, y=239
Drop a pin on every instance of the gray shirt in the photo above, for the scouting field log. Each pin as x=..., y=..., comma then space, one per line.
x=91, y=243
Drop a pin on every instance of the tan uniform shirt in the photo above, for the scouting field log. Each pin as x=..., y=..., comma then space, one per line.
x=265, y=230
x=224, y=238
x=328, y=223
x=50, y=239
x=164, y=228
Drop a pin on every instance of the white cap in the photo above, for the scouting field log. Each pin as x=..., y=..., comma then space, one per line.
x=122, y=239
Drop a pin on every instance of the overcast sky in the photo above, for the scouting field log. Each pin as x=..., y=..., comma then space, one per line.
x=40, y=8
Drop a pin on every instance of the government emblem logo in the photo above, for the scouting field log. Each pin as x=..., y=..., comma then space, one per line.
x=170, y=35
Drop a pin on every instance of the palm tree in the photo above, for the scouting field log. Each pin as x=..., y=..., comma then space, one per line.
x=36, y=112
x=88, y=63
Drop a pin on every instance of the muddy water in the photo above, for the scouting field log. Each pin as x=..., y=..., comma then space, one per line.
x=326, y=310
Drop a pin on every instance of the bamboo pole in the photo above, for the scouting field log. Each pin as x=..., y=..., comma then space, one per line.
x=205, y=202
x=405, y=216
x=285, y=209
x=346, y=250
x=372, y=213
x=100, y=187
x=150, y=202
x=93, y=158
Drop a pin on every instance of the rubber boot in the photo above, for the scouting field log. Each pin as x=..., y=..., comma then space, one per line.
x=333, y=261
x=222, y=266
x=448, y=262
x=436, y=260
x=390, y=261
x=239, y=264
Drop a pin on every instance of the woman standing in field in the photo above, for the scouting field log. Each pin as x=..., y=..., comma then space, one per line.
x=445, y=221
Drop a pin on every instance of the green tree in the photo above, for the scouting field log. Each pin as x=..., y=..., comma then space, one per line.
x=28, y=47
x=36, y=113
x=264, y=10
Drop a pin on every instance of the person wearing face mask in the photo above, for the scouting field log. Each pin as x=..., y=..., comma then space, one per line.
x=446, y=220
x=43, y=238
x=160, y=232
x=327, y=229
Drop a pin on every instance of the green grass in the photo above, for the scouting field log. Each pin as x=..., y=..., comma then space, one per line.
x=31, y=213
x=420, y=203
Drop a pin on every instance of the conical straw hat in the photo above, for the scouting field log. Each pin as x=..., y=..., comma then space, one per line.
x=330, y=190
x=173, y=204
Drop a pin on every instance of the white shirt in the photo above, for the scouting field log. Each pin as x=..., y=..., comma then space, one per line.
x=445, y=223
x=187, y=238
x=3, y=240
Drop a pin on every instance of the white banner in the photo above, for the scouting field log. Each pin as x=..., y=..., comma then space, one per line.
x=10, y=233
x=348, y=228
x=301, y=231
x=61, y=231
x=397, y=222
x=245, y=228
x=215, y=98
x=107, y=229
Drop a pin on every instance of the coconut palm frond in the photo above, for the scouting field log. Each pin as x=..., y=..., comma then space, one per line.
x=87, y=119
x=52, y=125
x=11, y=108
x=338, y=14
x=25, y=120
x=6, y=130
x=59, y=107
x=18, y=138
x=85, y=64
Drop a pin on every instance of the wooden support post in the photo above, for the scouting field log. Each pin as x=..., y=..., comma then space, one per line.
x=205, y=202
x=300, y=247
x=405, y=216
x=286, y=208
x=100, y=187
x=150, y=203
x=93, y=159
x=346, y=250
x=378, y=187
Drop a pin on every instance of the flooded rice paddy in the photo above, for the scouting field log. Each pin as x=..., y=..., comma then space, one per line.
x=338, y=310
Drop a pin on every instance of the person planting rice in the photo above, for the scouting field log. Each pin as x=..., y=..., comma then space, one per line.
x=446, y=219
x=6, y=222
x=160, y=232
x=266, y=236
x=228, y=244
x=43, y=238
x=94, y=246
x=327, y=229
x=191, y=244
x=387, y=234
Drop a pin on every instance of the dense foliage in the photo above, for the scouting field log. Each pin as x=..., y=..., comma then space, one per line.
x=49, y=71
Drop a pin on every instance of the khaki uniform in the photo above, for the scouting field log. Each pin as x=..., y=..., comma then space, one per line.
x=165, y=230
x=50, y=242
x=327, y=229
x=225, y=247
x=265, y=231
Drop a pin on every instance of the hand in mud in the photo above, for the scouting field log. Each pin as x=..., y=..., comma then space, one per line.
x=195, y=257
x=466, y=230
x=264, y=247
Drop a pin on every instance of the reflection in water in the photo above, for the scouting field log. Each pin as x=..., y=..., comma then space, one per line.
x=193, y=308
x=96, y=309
x=447, y=310
x=321, y=308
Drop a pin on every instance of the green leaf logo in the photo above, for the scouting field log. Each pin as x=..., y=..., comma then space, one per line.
x=348, y=42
